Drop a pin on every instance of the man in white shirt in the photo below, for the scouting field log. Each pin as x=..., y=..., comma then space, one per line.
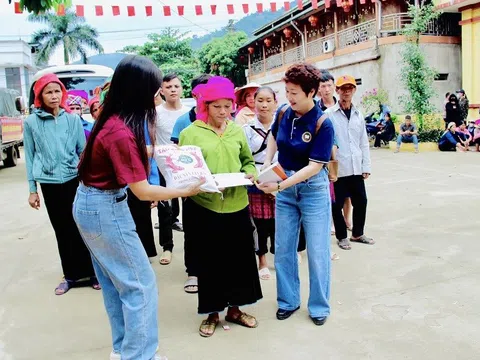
x=354, y=165
x=167, y=115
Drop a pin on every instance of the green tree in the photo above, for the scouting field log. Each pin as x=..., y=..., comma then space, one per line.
x=220, y=57
x=171, y=52
x=416, y=75
x=69, y=31
x=39, y=6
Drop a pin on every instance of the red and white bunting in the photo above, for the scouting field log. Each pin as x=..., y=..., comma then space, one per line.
x=198, y=10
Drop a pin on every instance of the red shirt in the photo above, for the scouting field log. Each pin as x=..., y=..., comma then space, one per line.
x=116, y=159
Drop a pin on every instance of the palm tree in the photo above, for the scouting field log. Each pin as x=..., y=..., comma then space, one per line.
x=68, y=30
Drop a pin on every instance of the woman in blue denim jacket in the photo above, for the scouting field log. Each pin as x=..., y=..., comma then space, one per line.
x=304, y=197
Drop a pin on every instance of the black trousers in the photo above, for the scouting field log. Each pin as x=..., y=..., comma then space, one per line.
x=266, y=229
x=190, y=247
x=142, y=216
x=165, y=221
x=353, y=187
x=380, y=137
x=74, y=255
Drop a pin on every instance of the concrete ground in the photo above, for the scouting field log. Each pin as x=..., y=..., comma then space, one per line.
x=411, y=296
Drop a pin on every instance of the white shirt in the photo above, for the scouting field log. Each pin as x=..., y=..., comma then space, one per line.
x=165, y=121
x=353, y=147
x=256, y=136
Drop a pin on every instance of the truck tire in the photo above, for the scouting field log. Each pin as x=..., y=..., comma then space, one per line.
x=12, y=156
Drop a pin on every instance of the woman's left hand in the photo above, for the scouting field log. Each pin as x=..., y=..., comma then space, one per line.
x=267, y=188
x=250, y=177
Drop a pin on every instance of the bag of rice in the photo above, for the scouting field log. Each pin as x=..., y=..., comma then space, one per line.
x=183, y=166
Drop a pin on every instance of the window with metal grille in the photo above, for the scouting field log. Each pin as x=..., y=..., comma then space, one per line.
x=13, y=79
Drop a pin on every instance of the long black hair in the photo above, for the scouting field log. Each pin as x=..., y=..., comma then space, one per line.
x=131, y=97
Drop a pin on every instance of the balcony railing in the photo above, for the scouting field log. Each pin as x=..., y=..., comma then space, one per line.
x=356, y=34
x=445, y=25
x=315, y=47
x=274, y=61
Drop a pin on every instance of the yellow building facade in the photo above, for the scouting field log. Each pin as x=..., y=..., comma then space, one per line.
x=470, y=23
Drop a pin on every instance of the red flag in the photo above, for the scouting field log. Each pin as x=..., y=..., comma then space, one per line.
x=315, y=4
x=300, y=4
x=61, y=10
x=80, y=11
x=273, y=6
x=131, y=10
x=149, y=10
x=167, y=11
x=116, y=10
x=230, y=9
x=99, y=10
x=259, y=7
x=199, y=11
x=181, y=10
x=18, y=9
x=286, y=5
x=213, y=8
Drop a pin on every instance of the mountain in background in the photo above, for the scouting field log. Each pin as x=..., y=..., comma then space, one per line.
x=248, y=24
x=108, y=60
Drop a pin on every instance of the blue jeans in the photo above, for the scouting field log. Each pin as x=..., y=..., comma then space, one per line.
x=307, y=203
x=122, y=267
x=407, y=139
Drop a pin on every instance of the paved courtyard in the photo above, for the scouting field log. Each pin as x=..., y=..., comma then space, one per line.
x=414, y=295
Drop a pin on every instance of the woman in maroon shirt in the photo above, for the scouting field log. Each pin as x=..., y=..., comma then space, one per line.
x=116, y=156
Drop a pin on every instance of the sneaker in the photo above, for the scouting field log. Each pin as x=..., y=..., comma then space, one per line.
x=177, y=226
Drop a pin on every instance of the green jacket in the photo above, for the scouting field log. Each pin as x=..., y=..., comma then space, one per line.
x=228, y=153
x=52, y=147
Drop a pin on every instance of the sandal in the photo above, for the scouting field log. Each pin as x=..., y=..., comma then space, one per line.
x=264, y=273
x=363, y=240
x=191, y=285
x=95, y=283
x=206, y=326
x=243, y=320
x=344, y=244
x=166, y=258
x=63, y=287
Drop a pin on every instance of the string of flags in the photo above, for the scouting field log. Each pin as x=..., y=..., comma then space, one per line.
x=166, y=10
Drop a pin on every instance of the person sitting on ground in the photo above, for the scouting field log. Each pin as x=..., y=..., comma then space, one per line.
x=408, y=134
x=387, y=133
x=451, y=140
x=465, y=134
x=246, y=104
x=476, y=136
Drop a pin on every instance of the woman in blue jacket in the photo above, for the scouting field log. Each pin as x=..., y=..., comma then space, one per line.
x=53, y=141
x=451, y=140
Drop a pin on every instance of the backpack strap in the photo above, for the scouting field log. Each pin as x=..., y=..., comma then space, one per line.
x=264, y=135
x=281, y=112
x=320, y=123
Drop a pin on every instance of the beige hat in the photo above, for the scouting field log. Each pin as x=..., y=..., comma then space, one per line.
x=248, y=86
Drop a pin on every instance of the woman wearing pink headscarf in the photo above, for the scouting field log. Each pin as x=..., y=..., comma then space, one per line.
x=217, y=227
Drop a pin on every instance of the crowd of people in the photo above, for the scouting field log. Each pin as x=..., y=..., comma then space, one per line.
x=100, y=184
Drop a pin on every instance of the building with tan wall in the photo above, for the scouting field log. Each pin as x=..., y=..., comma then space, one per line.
x=357, y=37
